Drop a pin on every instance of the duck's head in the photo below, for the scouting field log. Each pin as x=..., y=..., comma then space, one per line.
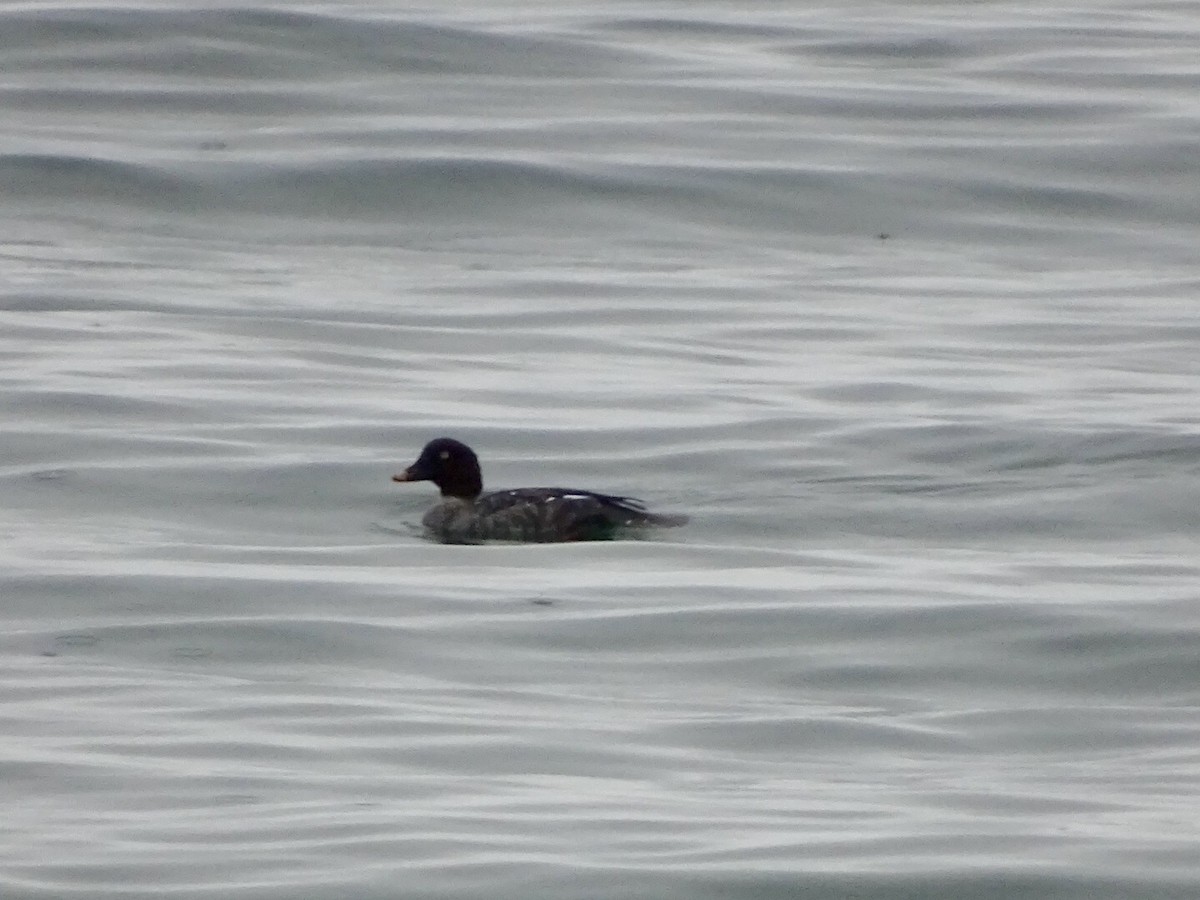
x=451, y=465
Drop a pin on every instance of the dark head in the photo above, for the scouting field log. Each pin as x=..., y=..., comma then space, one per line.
x=451, y=465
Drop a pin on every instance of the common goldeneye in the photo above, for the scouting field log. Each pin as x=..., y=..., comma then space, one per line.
x=466, y=515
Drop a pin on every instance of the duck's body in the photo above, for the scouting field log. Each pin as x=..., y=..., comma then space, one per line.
x=466, y=515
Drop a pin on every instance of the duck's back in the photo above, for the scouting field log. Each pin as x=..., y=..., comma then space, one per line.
x=542, y=515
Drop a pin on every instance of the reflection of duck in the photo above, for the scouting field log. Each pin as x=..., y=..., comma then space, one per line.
x=466, y=515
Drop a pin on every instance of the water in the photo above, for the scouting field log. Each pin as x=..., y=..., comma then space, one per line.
x=897, y=301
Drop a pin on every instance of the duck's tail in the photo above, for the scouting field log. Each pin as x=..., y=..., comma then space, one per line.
x=665, y=520
x=637, y=516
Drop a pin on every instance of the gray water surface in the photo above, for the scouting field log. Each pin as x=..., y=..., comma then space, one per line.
x=897, y=301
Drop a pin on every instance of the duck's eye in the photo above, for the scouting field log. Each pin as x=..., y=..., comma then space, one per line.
x=445, y=454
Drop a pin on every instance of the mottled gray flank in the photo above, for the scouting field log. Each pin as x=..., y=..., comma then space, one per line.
x=897, y=300
x=539, y=515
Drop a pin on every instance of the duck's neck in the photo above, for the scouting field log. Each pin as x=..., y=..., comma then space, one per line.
x=462, y=486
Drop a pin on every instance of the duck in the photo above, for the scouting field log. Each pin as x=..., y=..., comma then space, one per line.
x=466, y=515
